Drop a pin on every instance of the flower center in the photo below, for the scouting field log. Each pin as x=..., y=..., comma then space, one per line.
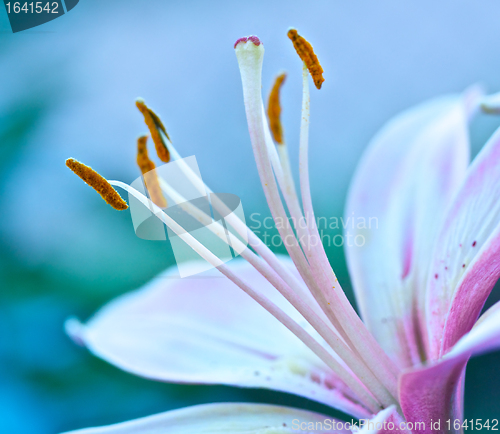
x=339, y=337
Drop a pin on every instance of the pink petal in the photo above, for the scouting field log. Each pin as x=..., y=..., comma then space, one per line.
x=466, y=263
x=430, y=394
x=484, y=336
x=227, y=418
x=406, y=178
x=206, y=330
x=435, y=392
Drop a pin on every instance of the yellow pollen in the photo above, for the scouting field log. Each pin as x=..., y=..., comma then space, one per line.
x=274, y=109
x=155, y=125
x=98, y=183
x=151, y=178
x=306, y=53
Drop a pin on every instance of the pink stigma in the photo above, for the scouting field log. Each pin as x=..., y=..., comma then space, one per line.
x=245, y=39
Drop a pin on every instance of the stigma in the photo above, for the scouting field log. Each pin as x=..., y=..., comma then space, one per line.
x=254, y=39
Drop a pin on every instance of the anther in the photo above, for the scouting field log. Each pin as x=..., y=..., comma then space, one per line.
x=156, y=127
x=274, y=109
x=306, y=53
x=98, y=183
x=148, y=170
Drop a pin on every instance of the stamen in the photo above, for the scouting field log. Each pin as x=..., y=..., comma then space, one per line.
x=274, y=109
x=250, y=62
x=156, y=127
x=242, y=229
x=363, y=341
x=148, y=170
x=98, y=183
x=306, y=53
x=267, y=304
x=250, y=59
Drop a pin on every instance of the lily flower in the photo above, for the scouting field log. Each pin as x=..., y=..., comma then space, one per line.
x=422, y=240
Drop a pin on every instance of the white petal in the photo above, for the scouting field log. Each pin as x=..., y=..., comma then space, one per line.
x=206, y=330
x=398, y=197
x=224, y=418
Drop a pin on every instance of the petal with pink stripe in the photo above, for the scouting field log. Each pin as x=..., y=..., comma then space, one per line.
x=399, y=195
x=466, y=262
x=434, y=393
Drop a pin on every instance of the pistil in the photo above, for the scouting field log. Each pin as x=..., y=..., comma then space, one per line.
x=250, y=58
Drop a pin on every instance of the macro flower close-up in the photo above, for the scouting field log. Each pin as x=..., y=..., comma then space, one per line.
x=422, y=228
